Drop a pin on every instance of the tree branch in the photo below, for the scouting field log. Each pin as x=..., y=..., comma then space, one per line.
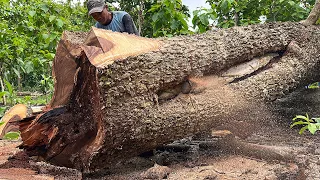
x=314, y=14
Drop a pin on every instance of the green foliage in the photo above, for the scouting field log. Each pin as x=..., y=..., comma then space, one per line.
x=138, y=11
x=29, y=32
x=29, y=100
x=314, y=85
x=228, y=13
x=3, y=93
x=168, y=18
x=201, y=18
x=2, y=111
x=171, y=14
x=312, y=124
x=46, y=85
x=12, y=135
x=10, y=93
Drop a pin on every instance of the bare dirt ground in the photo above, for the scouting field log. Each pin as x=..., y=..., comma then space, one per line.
x=275, y=152
x=195, y=162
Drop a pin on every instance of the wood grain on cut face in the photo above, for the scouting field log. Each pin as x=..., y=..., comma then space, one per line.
x=63, y=71
x=117, y=46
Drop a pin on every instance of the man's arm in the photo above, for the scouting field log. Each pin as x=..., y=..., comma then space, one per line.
x=129, y=25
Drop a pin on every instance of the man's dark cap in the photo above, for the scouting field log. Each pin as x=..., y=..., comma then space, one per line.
x=95, y=6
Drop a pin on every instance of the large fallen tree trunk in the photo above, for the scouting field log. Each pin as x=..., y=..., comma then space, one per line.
x=105, y=112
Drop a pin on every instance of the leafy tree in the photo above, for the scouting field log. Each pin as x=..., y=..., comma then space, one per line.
x=157, y=18
x=169, y=18
x=138, y=9
x=201, y=19
x=228, y=13
x=29, y=32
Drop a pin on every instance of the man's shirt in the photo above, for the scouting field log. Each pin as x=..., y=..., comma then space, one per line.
x=121, y=22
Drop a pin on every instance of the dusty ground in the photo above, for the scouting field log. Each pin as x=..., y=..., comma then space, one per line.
x=201, y=157
x=202, y=162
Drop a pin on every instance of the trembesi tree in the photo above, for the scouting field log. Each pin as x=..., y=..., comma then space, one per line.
x=109, y=106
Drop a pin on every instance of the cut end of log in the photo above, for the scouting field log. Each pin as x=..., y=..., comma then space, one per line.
x=65, y=66
x=61, y=134
x=110, y=46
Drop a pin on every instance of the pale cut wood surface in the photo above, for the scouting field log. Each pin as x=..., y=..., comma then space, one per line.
x=116, y=46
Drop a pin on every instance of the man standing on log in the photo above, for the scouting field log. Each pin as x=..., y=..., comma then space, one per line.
x=118, y=21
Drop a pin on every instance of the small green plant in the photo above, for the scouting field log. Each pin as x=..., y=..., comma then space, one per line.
x=313, y=86
x=2, y=111
x=312, y=124
x=10, y=92
x=46, y=85
x=12, y=135
x=34, y=100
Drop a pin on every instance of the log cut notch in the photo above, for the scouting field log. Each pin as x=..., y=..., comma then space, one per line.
x=113, y=110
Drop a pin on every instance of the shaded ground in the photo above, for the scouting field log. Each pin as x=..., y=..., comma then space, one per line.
x=201, y=157
x=204, y=163
x=195, y=163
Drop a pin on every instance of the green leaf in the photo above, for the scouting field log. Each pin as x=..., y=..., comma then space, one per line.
x=231, y=1
x=312, y=128
x=12, y=135
x=155, y=17
x=44, y=8
x=316, y=120
x=49, y=56
x=16, y=41
x=301, y=16
x=51, y=18
x=299, y=123
x=301, y=117
x=2, y=110
x=45, y=36
x=1, y=123
x=308, y=119
x=32, y=13
x=9, y=86
x=154, y=8
x=28, y=67
x=3, y=93
x=16, y=72
x=303, y=129
x=196, y=12
x=59, y=23
x=204, y=19
x=174, y=25
x=224, y=5
x=291, y=3
x=202, y=29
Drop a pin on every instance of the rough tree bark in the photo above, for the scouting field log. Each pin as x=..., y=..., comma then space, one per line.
x=101, y=115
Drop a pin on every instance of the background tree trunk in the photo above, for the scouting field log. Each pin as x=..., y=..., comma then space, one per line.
x=314, y=14
x=118, y=111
